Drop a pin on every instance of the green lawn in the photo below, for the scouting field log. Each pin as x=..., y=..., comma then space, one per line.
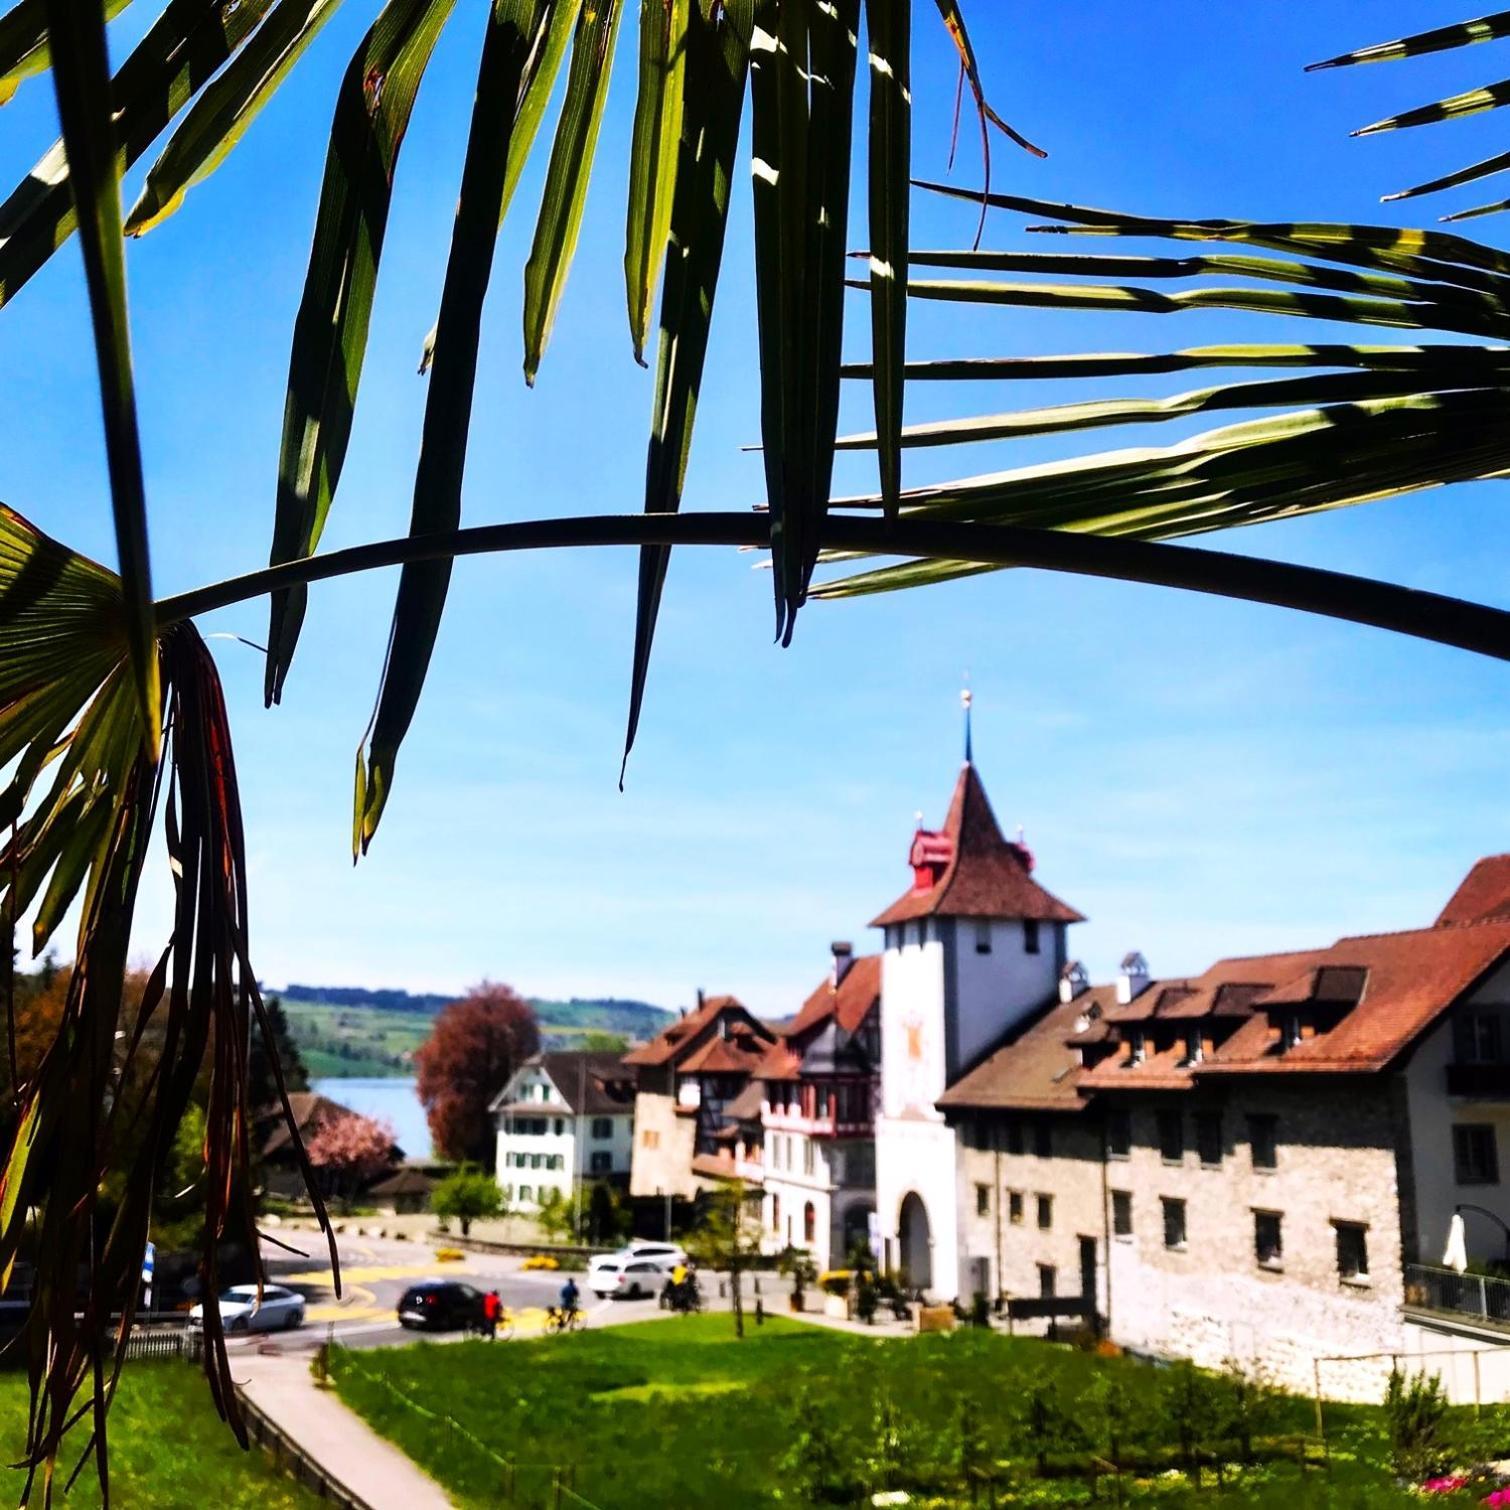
x=676, y=1413
x=168, y=1449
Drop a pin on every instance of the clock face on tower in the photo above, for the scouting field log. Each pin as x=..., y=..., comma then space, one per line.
x=917, y=1080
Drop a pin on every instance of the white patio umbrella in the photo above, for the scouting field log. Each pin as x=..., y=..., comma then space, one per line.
x=1456, y=1254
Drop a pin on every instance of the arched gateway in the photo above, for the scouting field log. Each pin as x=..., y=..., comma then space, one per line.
x=915, y=1241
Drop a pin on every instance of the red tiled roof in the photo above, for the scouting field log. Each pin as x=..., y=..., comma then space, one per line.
x=781, y=1062
x=671, y=1044
x=984, y=876
x=1483, y=896
x=722, y=1056
x=1040, y=1069
x=848, y=1004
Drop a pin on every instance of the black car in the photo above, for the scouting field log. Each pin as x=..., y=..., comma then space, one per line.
x=440, y=1305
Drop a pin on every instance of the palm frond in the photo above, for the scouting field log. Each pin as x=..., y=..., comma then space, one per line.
x=514, y=30
x=330, y=332
x=24, y=47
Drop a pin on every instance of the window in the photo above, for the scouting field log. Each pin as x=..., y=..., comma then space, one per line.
x=650, y=1138
x=1139, y=1047
x=809, y=1223
x=1263, y=1140
x=1171, y=1137
x=775, y=1213
x=1268, y=1241
x=1122, y=1213
x=1043, y=1138
x=1045, y=1211
x=1208, y=1136
x=560, y=1126
x=1290, y=1032
x=1193, y=1054
x=526, y=1193
x=1014, y=1206
x=1478, y=1038
x=1030, y=939
x=1119, y=1133
x=1048, y=1277
x=1352, y=1250
x=602, y=1127
x=1474, y=1155
x=600, y=1162
x=1174, y=1222
x=983, y=1200
x=982, y=936
x=1014, y=1135
x=807, y=1156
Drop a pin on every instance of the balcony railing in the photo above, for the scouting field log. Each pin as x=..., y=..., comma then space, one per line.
x=821, y=1125
x=1483, y=1297
x=1487, y=1081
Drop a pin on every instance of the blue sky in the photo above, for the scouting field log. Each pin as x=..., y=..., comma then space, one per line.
x=1198, y=777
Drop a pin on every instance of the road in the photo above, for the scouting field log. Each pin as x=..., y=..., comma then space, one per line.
x=375, y=1272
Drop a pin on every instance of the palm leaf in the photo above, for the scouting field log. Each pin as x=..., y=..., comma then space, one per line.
x=81, y=72
x=514, y=31
x=718, y=58
x=220, y=116
x=24, y=48
x=1439, y=39
x=330, y=332
x=889, y=23
x=568, y=174
x=180, y=51
x=653, y=155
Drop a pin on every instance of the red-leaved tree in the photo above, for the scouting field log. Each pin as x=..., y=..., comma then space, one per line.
x=476, y=1045
x=350, y=1151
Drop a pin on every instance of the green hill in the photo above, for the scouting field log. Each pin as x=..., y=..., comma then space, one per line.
x=354, y=1032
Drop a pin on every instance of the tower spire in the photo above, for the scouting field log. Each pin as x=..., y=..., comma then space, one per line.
x=965, y=700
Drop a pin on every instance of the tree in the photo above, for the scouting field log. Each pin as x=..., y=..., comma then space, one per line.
x=350, y=1151
x=727, y=1238
x=596, y=1041
x=262, y=1084
x=610, y=1217
x=467, y=1194
x=475, y=1047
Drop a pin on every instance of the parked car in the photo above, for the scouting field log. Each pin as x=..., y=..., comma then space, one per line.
x=668, y=1253
x=281, y=1309
x=440, y=1305
x=631, y=1278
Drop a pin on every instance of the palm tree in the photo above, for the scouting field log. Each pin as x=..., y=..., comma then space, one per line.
x=111, y=714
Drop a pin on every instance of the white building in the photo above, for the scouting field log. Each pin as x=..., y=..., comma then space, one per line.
x=563, y=1117
x=973, y=948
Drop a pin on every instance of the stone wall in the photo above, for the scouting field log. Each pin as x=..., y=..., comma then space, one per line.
x=664, y=1143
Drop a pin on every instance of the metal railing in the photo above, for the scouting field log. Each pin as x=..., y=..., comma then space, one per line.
x=1485, y=1297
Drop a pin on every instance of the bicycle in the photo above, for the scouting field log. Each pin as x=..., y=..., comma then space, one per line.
x=503, y=1329
x=558, y=1320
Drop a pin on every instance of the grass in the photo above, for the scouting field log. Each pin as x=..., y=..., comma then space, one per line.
x=168, y=1448
x=677, y=1413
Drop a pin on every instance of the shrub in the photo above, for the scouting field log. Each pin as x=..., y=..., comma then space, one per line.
x=449, y=1255
x=1109, y=1408
x=1045, y=1426
x=816, y=1465
x=1247, y=1399
x=866, y=1301
x=980, y=1309
x=1415, y=1409
x=540, y=1261
x=468, y=1195
x=1192, y=1405
x=835, y=1281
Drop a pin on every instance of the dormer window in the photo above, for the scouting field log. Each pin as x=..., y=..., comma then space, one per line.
x=1289, y=1033
x=1030, y=939
x=1139, y=1046
x=1193, y=1053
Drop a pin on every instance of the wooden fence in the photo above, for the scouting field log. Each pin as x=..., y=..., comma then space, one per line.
x=294, y=1461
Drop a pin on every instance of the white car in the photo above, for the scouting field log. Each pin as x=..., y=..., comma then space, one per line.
x=281, y=1309
x=610, y=1265
x=631, y=1278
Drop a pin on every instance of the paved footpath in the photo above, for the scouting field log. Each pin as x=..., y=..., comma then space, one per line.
x=335, y=1437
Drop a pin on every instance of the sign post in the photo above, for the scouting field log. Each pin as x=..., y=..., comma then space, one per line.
x=149, y=1264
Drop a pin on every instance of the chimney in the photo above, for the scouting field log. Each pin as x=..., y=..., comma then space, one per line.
x=1072, y=981
x=844, y=957
x=1132, y=978
x=701, y=999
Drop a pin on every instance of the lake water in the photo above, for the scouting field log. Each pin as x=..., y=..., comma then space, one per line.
x=394, y=1101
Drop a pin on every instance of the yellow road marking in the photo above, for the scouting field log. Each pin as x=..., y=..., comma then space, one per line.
x=366, y=1273
x=346, y=1313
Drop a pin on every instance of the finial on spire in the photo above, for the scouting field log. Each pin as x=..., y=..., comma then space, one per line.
x=965, y=700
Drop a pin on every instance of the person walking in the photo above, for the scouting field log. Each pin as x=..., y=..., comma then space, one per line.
x=492, y=1307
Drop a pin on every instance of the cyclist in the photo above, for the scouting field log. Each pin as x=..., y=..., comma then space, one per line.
x=570, y=1294
x=492, y=1308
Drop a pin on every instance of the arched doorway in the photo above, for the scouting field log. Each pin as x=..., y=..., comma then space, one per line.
x=916, y=1242
x=856, y=1228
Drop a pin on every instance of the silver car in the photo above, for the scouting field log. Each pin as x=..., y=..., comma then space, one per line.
x=281, y=1309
